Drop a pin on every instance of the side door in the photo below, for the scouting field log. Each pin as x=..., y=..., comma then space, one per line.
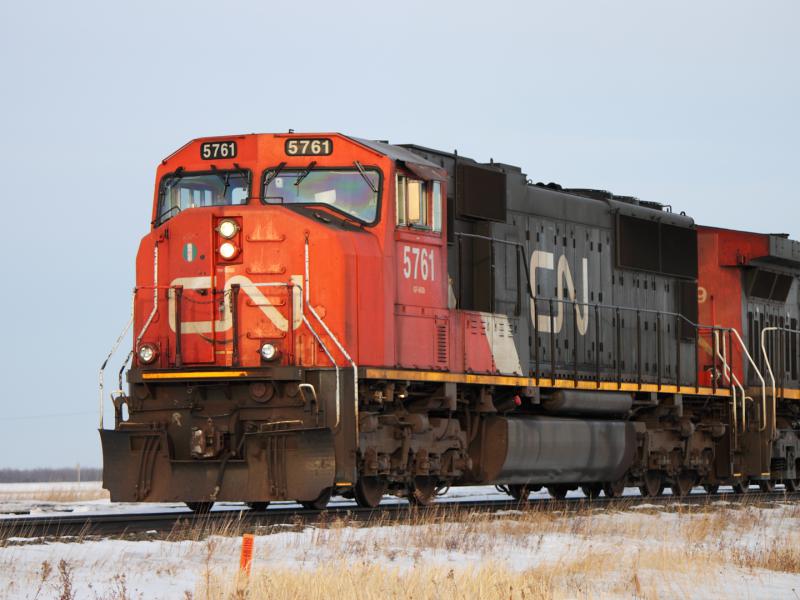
x=421, y=315
x=192, y=299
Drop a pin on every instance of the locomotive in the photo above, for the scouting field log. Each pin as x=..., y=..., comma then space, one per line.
x=320, y=314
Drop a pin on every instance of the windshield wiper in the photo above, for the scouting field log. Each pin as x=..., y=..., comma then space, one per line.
x=272, y=175
x=364, y=175
x=227, y=181
x=305, y=173
x=160, y=218
x=245, y=173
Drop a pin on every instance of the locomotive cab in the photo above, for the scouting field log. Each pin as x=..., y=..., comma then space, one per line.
x=266, y=280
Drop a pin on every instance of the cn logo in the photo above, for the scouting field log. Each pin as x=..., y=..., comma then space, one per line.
x=545, y=260
x=253, y=291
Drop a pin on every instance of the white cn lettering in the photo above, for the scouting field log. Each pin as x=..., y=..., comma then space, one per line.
x=544, y=260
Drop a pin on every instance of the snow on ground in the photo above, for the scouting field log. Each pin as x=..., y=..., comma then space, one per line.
x=54, y=499
x=20, y=499
x=731, y=551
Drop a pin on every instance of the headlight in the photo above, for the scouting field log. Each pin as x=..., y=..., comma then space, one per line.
x=147, y=353
x=269, y=352
x=228, y=228
x=227, y=250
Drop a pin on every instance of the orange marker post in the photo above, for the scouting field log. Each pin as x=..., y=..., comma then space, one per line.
x=246, y=559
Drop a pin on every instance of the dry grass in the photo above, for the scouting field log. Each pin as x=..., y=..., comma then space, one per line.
x=589, y=554
x=782, y=555
x=586, y=576
x=376, y=582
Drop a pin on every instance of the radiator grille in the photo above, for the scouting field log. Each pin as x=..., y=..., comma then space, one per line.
x=441, y=343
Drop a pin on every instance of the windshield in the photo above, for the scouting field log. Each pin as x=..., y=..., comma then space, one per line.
x=353, y=192
x=179, y=192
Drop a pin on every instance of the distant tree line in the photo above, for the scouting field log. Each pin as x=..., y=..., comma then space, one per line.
x=48, y=475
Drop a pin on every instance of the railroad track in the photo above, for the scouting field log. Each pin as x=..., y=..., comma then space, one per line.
x=178, y=524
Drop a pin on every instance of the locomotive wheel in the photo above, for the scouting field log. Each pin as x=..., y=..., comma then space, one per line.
x=200, y=508
x=711, y=488
x=767, y=485
x=369, y=491
x=592, y=490
x=614, y=489
x=519, y=492
x=320, y=502
x=652, y=484
x=742, y=486
x=258, y=506
x=423, y=491
x=558, y=491
x=683, y=483
x=791, y=485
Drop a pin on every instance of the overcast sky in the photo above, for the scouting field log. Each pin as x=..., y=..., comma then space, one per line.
x=692, y=104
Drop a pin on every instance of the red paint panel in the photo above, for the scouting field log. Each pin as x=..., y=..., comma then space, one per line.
x=476, y=347
x=739, y=248
x=421, y=266
x=423, y=338
x=721, y=255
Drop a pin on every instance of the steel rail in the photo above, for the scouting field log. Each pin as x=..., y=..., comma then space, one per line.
x=167, y=523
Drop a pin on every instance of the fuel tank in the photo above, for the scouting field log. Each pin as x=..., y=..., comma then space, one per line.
x=547, y=450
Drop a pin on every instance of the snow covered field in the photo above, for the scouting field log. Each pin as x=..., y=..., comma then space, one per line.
x=682, y=552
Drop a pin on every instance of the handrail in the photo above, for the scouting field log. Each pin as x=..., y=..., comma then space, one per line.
x=305, y=386
x=745, y=397
x=651, y=311
x=728, y=372
x=521, y=258
x=335, y=366
x=155, y=298
x=769, y=366
x=150, y=318
x=335, y=341
x=616, y=312
x=521, y=248
x=105, y=363
x=757, y=372
x=738, y=390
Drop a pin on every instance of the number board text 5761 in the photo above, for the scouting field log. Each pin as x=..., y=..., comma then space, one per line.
x=216, y=150
x=309, y=147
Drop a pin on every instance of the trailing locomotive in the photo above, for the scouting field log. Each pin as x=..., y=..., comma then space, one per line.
x=318, y=314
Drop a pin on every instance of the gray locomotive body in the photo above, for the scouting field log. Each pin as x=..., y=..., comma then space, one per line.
x=595, y=286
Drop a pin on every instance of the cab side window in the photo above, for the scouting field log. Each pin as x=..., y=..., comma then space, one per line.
x=419, y=203
x=436, y=209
